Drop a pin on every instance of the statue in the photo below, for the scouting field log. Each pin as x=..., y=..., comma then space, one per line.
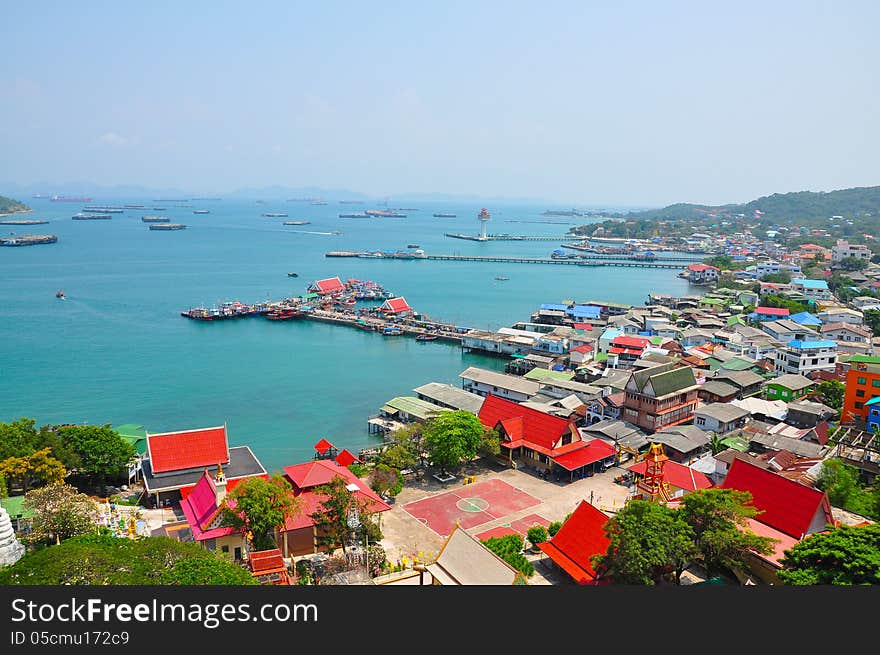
x=11, y=549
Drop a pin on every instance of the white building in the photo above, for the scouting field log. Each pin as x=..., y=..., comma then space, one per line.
x=511, y=387
x=841, y=315
x=812, y=289
x=845, y=249
x=720, y=417
x=800, y=357
x=771, y=268
x=846, y=332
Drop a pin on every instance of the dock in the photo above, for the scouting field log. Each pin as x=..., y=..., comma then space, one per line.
x=28, y=240
x=579, y=261
x=23, y=222
x=510, y=237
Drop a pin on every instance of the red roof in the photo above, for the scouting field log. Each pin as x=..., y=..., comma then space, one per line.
x=189, y=449
x=395, y=305
x=230, y=484
x=582, y=326
x=772, y=311
x=328, y=285
x=200, y=509
x=624, y=351
x=520, y=422
x=345, y=458
x=595, y=451
x=788, y=506
x=579, y=538
x=678, y=475
x=699, y=268
x=630, y=342
x=586, y=348
x=308, y=475
x=323, y=446
x=500, y=531
x=262, y=562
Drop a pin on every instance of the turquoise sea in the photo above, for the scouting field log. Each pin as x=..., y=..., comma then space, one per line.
x=116, y=350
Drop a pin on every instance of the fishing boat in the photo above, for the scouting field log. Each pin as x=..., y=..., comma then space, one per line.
x=201, y=211
x=59, y=295
x=392, y=330
x=426, y=337
x=363, y=325
x=293, y=275
x=501, y=277
x=412, y=245
x=285, y=314
x=297, y=222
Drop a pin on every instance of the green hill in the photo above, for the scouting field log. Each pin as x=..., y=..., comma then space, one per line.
x=799, y=206
x=10, y=206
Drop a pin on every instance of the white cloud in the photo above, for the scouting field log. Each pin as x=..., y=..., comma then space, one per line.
x=113, y=139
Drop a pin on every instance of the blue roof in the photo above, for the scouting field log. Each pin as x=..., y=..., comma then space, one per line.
x=805, y=318
x=590, y=311
x=810, y=284
x=818, y=343
x=873, y=401
x=555, y=307
x=611, y=333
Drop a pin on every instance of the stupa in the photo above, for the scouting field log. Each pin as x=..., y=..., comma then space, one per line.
x=11, y=549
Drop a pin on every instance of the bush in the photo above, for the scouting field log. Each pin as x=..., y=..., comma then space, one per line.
x=555, y=526
x=359, y=470
x=509, y=548
x=537, y=534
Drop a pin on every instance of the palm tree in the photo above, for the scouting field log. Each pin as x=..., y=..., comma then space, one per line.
x=716, y=445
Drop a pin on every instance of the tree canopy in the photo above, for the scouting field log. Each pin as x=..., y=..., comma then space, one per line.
x=106, y=560
x=60, y=512
x=260, y=507
x=509, y=548
x=343, y=516
x=842, y=556
x=831, y=393
x=102, y=452
x=36, y=468
x=453, y=437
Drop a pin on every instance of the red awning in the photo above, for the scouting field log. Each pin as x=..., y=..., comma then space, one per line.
x=595, y=451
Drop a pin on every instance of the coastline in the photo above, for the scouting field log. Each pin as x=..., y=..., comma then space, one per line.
x=21, y=211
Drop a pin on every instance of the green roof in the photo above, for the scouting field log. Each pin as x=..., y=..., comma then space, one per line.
x=862, y=359
x=712, y=301
x=714, y=364
x=309, y=296
x=672, y=381
x=547, y=374
x=737, y=364
x=656, y=340
x=600, y=357
x=737, y=443
x=134, y=434
x=13, y=505
x=414, y=407
x=736, y=320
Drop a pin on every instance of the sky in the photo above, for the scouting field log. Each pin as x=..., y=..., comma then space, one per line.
x=588, y=103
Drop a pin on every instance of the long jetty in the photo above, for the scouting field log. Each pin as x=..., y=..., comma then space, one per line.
x=567, y=261
x=510, y=237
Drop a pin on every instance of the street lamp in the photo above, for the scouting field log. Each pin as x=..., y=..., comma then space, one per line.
x=354, y=522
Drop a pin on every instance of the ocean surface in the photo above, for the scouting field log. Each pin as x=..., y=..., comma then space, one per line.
x=116, y=350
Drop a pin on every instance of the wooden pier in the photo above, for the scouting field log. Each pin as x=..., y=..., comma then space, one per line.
x=578, y=261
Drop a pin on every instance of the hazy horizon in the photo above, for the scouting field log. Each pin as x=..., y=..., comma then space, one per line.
x=569, y=103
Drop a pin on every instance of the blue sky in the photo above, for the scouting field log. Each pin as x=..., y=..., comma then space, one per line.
x=631, y=103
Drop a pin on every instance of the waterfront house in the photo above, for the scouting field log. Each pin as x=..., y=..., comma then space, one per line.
x=300, y=535
x=788, y=387
x=701, y=273
x=804, y=356
x=484, y=382
x=176, y=461
x=395, y=307
x=789, y=512
x=450, y=397
x=544, y=442
x=327, y=286
x=548, y=375
x=660, y=396
x=492, y=342
x=720, y=418
x=580, y=538
x=409, y=409
x=521, y=364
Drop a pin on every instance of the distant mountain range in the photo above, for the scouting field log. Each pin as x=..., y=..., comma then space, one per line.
x=857, y=202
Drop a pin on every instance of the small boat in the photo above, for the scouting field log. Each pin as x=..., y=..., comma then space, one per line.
x=392, y=331
x=284, y=314
x=412, y=245
x=501, y=277
x=293, y=275
x=59, y=295
x=426, y=337
x=363, y=325
x=201, y=211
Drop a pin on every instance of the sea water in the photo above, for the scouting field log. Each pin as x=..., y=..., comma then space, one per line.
x=116, y=350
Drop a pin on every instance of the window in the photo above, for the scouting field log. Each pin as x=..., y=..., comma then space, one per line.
x=859, y=405
x=861, y=381
x=875, y=383
x=860, y=393
x=700, y=420
x=225, y=549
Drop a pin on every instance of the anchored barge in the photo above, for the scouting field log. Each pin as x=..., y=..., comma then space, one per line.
x=155, y=219
x=167, y=226
x=28, y=240
x=20, y=221
x=92, y=217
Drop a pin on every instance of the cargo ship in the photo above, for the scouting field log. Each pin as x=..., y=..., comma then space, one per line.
x=297, y=222
x=361, y=215
x=92, y=217
x=28, y=240
x=103, y=210
x=69, y=199
x=384, y=213
x=155, y=219
x=167, y=226
x=23, y=222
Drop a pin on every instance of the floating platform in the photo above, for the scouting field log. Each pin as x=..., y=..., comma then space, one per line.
x=168, y=226
x=28, y=240
x=92, y=217
x=23, y=222
x=155, y=219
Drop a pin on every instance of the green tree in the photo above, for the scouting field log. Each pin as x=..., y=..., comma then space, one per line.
x=491, y=443
x=648, y=541
x=344, y=516
x=537, y=534
x=555, y=526
x=404, y=449
x=102, y=452
x=260, y=507
x=852, y=264
x=386, y=481
x=839, y=480
x=832, y=393
x=716, y=517
x=453, y=437
x=872, y=320
x=793, y=306
x=782, y=277
x=34, y=469
x=715, y=444
x=509, y=548
x=106, y=560
x=721, y=262
x=841, y=556
x=60, y=512
x=21, y=438
x=4, y=491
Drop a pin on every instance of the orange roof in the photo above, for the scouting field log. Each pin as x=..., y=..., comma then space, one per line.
x=395, y=305
x=188, y=449
x=579, y=538
x=595, y=451
x=519, y=422
x=328, y=285
x=262, y=562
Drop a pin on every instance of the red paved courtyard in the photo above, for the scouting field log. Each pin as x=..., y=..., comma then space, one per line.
x=471, y=505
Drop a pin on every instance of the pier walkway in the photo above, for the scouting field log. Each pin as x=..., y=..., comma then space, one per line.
x=511, y=237
x=577, y=261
